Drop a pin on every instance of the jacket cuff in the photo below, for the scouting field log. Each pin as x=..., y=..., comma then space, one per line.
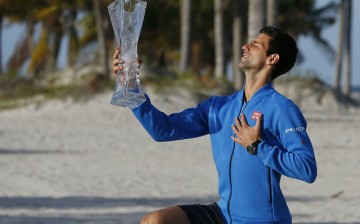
x=143, y=106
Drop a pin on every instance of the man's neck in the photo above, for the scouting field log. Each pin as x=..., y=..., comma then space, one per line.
x=254, y=82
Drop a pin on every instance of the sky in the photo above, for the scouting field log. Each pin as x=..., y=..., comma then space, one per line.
x=315, y=59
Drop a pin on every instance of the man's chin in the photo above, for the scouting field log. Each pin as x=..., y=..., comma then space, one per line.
x=242, y=65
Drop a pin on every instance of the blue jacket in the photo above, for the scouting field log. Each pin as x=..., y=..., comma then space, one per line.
x=249, y=185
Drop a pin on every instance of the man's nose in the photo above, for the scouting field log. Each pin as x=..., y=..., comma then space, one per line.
x=245, y=47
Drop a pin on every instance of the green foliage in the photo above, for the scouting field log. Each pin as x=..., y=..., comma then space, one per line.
x=18, y=10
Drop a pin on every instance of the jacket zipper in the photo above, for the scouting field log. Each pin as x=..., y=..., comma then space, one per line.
x=230, y=164
x=231, y=157
x=270, y=185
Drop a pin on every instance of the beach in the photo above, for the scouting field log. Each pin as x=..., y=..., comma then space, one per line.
x=86, y=161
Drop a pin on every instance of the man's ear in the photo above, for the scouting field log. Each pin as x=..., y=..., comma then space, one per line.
x=273, y=59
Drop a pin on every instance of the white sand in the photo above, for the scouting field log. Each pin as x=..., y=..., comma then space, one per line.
x=91, y=162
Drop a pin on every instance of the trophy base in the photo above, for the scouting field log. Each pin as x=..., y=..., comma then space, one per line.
x=128, y=95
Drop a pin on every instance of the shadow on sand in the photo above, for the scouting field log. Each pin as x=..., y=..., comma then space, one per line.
x=91, y=210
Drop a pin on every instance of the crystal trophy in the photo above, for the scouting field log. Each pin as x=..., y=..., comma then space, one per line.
x=127, y=17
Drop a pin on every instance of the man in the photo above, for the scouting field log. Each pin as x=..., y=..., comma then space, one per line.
x=257, y=135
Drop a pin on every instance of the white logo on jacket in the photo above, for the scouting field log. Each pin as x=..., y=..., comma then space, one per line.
x=294, y=129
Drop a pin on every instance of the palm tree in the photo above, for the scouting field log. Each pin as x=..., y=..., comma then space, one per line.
x=185, y=34
x=219, y=38
x=1, y=19
x=103, y=52
x=339, y=53
x=46, y=50
x=343, y=54
x=347, y=48
x=272, y=12
x=238, y=39
x=17, y=11
x=302, y=18
x=256, y=17
x=51, y=17
x=74, y=43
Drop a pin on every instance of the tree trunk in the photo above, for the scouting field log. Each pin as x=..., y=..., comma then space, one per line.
x=23, y=50
x=257, y=18
x=238, y=30
x=271, y=12
x=74, y=44
x=56, y=33
x=219, y=39
x=185, y=34
x=339, y=54
x=1, y=67
x=101, y=38
x=347, y=49
x=38, y=58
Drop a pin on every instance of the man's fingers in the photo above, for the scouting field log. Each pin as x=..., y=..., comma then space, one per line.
x=235, y=130
x=117, y=68
x=258, y=122
x=116, y=62
x=235, y=139
x=243, y=120
x=116, y=53
x=244, y=134
x=237, y=122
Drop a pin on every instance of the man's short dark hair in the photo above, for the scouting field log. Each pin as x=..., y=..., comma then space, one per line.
x=284, y=45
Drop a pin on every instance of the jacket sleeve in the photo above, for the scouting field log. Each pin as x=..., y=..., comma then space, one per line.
x=295, y=157
x=190, y=123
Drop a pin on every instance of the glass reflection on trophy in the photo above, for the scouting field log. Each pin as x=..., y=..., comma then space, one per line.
x=127, y=17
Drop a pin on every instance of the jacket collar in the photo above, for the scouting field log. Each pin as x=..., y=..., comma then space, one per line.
x=263, y=91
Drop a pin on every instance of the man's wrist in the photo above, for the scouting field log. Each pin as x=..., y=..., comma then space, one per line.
x=252, y=148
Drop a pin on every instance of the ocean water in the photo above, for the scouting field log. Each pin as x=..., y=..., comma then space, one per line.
x=356, y=89
x=356, y=93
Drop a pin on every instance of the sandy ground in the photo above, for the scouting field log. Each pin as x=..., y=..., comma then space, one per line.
x=91, y=162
